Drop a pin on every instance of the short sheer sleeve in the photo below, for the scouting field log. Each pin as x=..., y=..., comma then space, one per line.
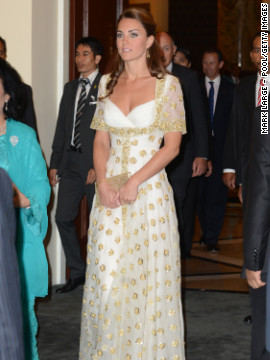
x=98, y=122
x=172, y=117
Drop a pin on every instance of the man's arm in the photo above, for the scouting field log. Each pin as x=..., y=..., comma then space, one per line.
x=257, y=203
x=200, y=127
x=199, y=120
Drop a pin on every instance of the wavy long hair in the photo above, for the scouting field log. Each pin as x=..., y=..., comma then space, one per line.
x=154, y=59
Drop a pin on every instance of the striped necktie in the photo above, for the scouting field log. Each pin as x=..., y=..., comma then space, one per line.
x=260, y=93
x=80, y=105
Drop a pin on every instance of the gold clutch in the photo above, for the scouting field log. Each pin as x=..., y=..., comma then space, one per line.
x=116, y=182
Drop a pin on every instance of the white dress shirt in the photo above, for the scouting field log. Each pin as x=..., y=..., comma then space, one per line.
x=258, y=86
x=169, y=67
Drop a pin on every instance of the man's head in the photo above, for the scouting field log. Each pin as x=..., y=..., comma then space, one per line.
x=182, y=57
x=88, y=55
x=255, y=53
x=3, y=48
x=167, y=46
x=212, y=63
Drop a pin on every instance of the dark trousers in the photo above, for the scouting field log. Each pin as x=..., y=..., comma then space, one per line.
x=212, y=198
x=71, y=190
x=179, y=189
x=189, y=211
x=258, y=313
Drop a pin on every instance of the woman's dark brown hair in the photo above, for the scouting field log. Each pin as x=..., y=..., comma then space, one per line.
x=154, y=60
x=13, y=86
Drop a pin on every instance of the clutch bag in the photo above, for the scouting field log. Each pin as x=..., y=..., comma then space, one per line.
x=116, y=182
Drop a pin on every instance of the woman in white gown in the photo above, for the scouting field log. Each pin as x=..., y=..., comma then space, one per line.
x=132, y=295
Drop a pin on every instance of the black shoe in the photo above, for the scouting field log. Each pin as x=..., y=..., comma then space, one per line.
x=248, y=319
x=71, y=284
x=202, y=240
x=186, y=255
x=212, y=248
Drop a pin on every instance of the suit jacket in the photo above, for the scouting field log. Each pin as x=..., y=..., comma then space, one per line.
x=257, y=202
x=220, y=121
x=28, y=116
x=257, y=210
x=64, y=127
x=195, y=143
x=238, y=135
x=11, y=334
x=267, y=332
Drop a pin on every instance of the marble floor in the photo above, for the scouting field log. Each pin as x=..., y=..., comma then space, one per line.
x=218, y=271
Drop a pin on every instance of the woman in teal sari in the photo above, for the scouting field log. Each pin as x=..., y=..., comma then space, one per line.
x=21, y=157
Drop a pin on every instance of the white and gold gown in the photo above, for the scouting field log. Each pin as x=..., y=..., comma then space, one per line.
x=132, y=296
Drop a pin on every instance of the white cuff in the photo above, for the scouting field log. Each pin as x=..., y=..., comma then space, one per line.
x=228, y=171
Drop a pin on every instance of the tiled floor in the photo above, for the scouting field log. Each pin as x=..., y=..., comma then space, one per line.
x=221, y=271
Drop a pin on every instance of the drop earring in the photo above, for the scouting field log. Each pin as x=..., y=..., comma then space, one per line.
x=147, y=54
x=6, y=106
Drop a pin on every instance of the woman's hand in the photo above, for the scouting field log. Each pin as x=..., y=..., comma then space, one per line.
x=128, y=192
x=107, y=195
x=19, y=199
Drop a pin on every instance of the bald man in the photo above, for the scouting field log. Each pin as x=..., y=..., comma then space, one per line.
x=194, y=152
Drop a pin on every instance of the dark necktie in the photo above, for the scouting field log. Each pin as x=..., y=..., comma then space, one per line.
x=211, y=101
x=80, y=105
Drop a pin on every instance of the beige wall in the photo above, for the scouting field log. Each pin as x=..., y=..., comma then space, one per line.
x=159, y=10
x=17, y=31
x=36, y=32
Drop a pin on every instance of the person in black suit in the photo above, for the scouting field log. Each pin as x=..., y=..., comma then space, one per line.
x=11, y=330
x=238, y=135
x=192, y=160
x=239, y=132
x=257, y=233
x=72, y=157
x=28, y=116
x=218, y=97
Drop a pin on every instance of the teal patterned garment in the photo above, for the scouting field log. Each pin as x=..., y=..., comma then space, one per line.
x=21, y=157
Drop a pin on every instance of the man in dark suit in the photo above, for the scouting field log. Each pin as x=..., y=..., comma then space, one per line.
x=72, y=157
x=192, y=160
x=238, y=135
x=218, y=97
x=257, y=235
x=239, y=132
x=11, y=333
x=28, y=116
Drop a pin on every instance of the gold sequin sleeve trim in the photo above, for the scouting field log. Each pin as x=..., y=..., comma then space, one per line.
x=172, y=112
x=98, y=122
